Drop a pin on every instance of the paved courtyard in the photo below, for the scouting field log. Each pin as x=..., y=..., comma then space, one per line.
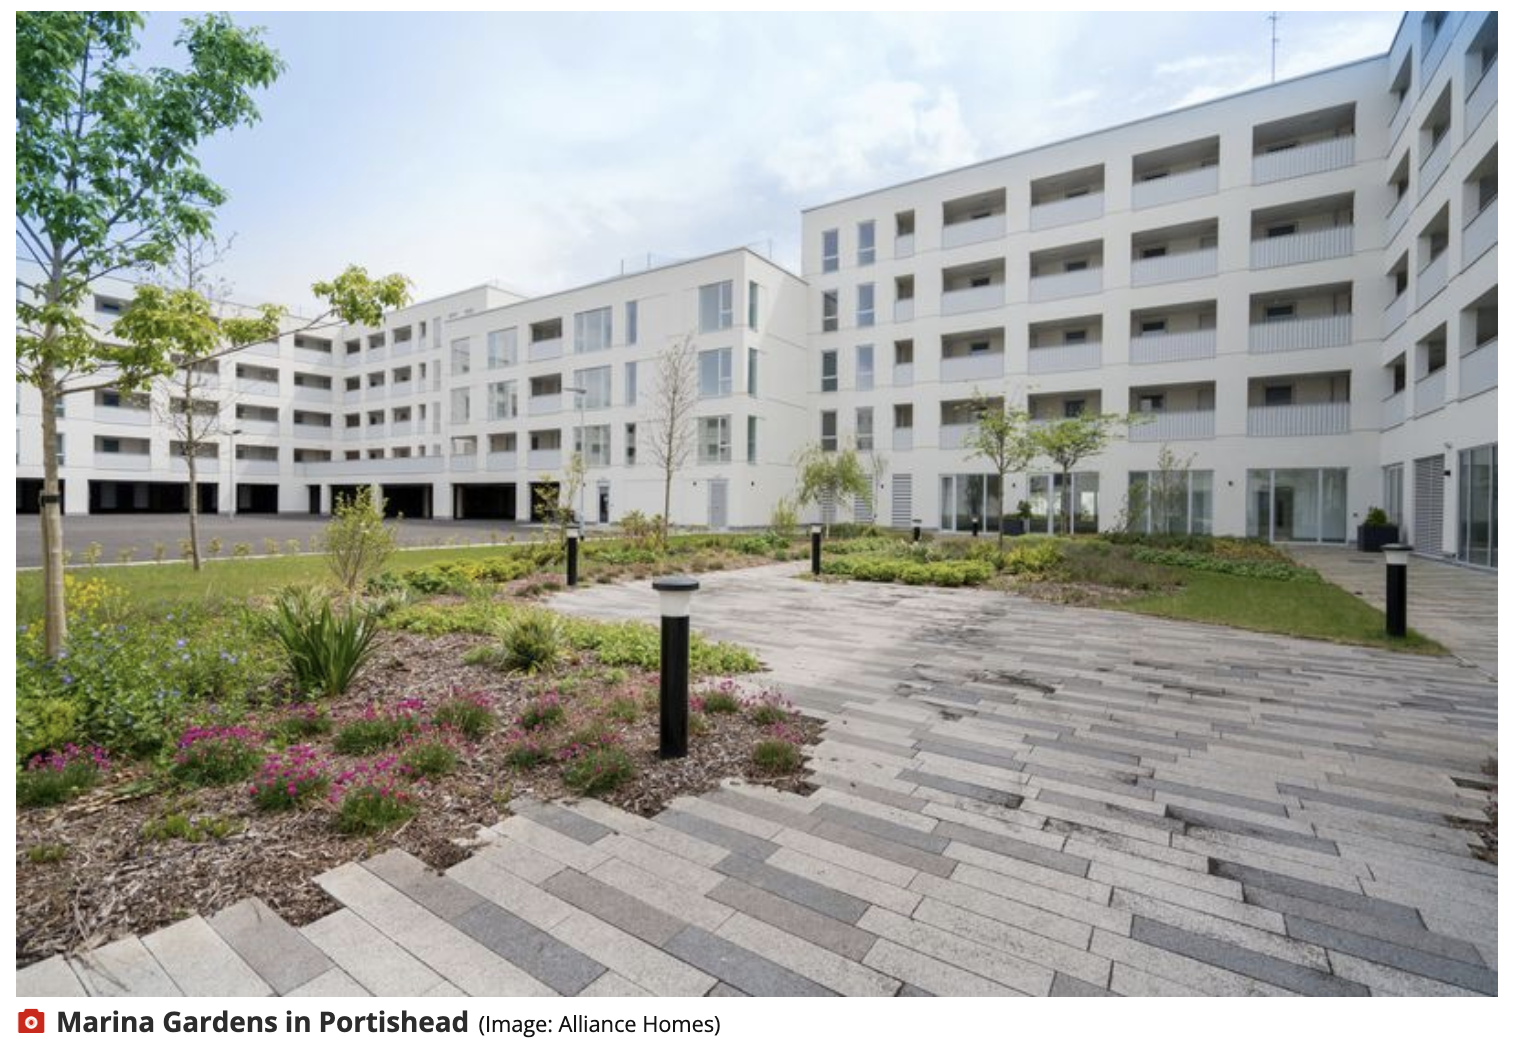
x=1012, y=797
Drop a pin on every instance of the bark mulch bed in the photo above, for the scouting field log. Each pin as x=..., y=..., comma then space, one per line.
x=87, y=875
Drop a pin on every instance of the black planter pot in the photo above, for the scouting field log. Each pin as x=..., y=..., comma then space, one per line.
x=1373, y=538
x=1014, y=527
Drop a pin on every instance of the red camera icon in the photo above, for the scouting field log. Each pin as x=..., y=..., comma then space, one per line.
x=31, y=1021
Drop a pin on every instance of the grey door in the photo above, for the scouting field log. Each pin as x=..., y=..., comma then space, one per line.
x=718, y=504
x=1429, y=503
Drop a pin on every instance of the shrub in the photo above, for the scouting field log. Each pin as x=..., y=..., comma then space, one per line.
x=292, y=547
x=1034, y=559
x=948, y=574
x=428, y=619
x=523, y=751
x=295, y=777
x=377, y=729
x=215, y=755
x=301, y=722
x=126, y=554
x=357, y=540
x=722, y=700
x=531, y=642
x=241, y=550
x=1285, y=571
x=92, y=553
x=431, y=753
x=325, y=648
x=768, y=707
x=779, y=753
x=270, y=546
x=214, y=546
x=56, y=776
x=471, y=715
x=542, y=712
x=594, y=771
x=783, y=524
x=159, y=550
x=192, y=830
x=371, y=798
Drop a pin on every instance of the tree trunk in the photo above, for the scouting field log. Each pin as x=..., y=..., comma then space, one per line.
x=1067, y=498
x=194, y=504
x=55, y=623
x=1003, y=491
x=667, y=504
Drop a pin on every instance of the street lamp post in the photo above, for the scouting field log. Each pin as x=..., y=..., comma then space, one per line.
x=231, y=450
x=583, y=443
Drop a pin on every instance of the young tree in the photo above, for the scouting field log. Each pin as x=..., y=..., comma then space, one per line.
x=106, y=181
x=671, y=430
x=1068, y=441
x=827, y=475
x=1001, y=436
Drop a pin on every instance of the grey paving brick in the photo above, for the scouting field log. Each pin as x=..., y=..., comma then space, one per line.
x=443, y=897
x=370, y=958
x=50, y=978
x=881, y=827
x=827, y=967
x=926, y=975
x=840, y=906
x=1012, y=847
x=648, y=967
x=910, y=991
x=658, y=891
x=614, y=906
x=527, y=900
x=1012, y=940
x=122, y=968
x=732, y=839
x=845, y=878
x=883, y=850
x=561, y=819
x=742, y=969
x=1066, y=986
x=840, y=937
x=1164, y=786
x=1227, y=956
x=1002, y=758
x=1349, y=900
x=1149, y=961
x=1202, y=819
x=333, y=984
x=279, y=954
x=1473, y=976
x=898, y=797
x=725, y=991
x=1386, y=980
x=611, y=985
x=201, y=962
x=940, y=783
x=561, y=968
x=1012, y=971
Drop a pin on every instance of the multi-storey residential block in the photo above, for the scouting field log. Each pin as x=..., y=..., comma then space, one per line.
x=1292, y=290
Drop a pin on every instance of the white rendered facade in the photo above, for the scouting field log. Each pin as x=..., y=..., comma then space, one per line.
x=1231, y=272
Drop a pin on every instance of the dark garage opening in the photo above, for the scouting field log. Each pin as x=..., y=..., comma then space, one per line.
x=411, y=500
x=258, y=498
x=341, y=492
x=110, y=496
x=484, y=501
x=29, y=496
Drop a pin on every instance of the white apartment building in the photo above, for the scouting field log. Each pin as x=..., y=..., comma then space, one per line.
x=1294, y=288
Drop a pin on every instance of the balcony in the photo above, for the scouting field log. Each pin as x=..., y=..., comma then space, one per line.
x=1395, y=314
x=352, y=396
x=547, y=349
x=1399, y=121
x=1430, y=63
x=315, y=356
x=904, y=310
x=312, y=394
x=501, y=461
x=123, y=461
x=904, y=374
x=1480, y=235
x=401, y=428
x=1432, y=278
x=954, y=437
x=205, y=471
x=544, y=460
x=1304, y=159
x=352, y=432
x=1430, y=393
x=374, y=353
x=1398, y=215
x=972, y=368
x=1299, y=419
x=250, y=427
x=1163, y=426
x=462, y=463
x=113, y=416
x=1189, y=265
x=1313, y=332
x=404, y=348
x=1393, y=410
x=256, y=467
x=904, y=246
x=255, y=387
x=1434, y=165
x=262, y=348
x=1065, y=212
x=1482, y=99
x=1204, y=181
x=401, y=388
x=1066, y=284
x=972, y=299
x=976, y=230
x=1173, y=347
x=549, y=404
x=1302, y=247
x=1479, y=369
x=1083, y=355
x=904, y=439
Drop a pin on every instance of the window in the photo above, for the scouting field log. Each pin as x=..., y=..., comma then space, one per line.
x=436, y=332
x=462, y=356
x=591, y=330
x=1277, y=395
x=1172, y=501
x=1073, y=408
x=714, y=440
x=1151, y=404
x=714, y=373
x=1075, y=265
x=595, y=382
x=501, y=348
x=1279, y=312
x=867, y=235
x=751, y=372
x=977, y=348
x=864, y=304
x=830, y=250
x=829, y=372
x=597, y=453
x=864, y=367
x=376, y=379
x=715, y=307
x=830, y=310
x=630, y=443
x=827, y=430
x=461, y=405
x=751, y=439
x=753, y=298
x=1154, y=252
x=1075, y=337
x=631, y=322
x=503, y=402
x=1285, y=229
x=1153, y=326
x=631, y=384
x=864, y=428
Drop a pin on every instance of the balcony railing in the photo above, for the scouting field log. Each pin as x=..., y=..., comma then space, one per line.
x=1083, y=355
x=401, y=428
x=1162, y=426
x=1189, y=265
x=1174, y=346
x=1434, y=165
x=971, y=368
x=1302, y=247
x=404, y=348
x=249, y=427
x=256, y=467
x=1400, y=120
x=1065, y=212
x=130, y=462
x=255, y=387
x=312, y=394
x=352, y=395
x=375, y=352
x=954, y=437
x=1432, y=278
x=314, y=431
x=263, y=348
x=1479, y=369
x=1305, y=159
x=904, y=246
x=1482, y=99
x=1204, y=181
x=904, y=439
x=546, y=349
x=904, y=374
x=501, y=461
x=207, y=468
x=1399, y=214
x=1395, y=314
x=1066, y=284
x=1393, y=410
x=313, y=356
x=462, y=463
x=972, y=299
x=401, y=388
x=1430, y=63
x=1480, y=235
x=352, y=432
x=369, y=467
x=1312, y=332
x=1430, y=392
x=122, y=416
x=544, y=460
x=960, y=234
x=904, y=310
x=1299, y=419
x=550, y=404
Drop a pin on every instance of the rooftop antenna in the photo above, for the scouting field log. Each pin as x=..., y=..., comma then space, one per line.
x=1273, y=17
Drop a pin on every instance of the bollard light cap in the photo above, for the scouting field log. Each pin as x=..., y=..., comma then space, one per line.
x=1397, y=555
x=674, y=594
x=675, y=583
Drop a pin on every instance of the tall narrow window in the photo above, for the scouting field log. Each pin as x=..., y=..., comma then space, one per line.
x=630, y=443
x=715, y=306
x=867, y=234
x=830, y=250
x=865, y=305
x=751, y=439
x=501, y=348
x=751, y=372
x=462, y=356
x=714, y=373
x=631, y=322
x=830, y=310
x=864, y=367
x=829, y=371
x=631, y=384
x=828, y=430
x=864, y=428
x=753, y=299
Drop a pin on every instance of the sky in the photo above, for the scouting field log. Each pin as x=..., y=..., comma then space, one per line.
x=541, y=152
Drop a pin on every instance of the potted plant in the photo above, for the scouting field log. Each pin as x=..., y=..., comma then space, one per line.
x=1375, y=531
x=1014, y=525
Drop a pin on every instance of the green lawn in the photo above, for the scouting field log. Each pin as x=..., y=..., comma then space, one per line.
x=1311, y=610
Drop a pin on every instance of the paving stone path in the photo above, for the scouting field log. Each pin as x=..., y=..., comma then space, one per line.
x=1012, y=798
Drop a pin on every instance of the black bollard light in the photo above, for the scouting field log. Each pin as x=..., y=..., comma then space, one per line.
x=815, y=549
x=1398, y=588
x=573, y=535
x=674, y=595
x=916, y=537
x=976, y=526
